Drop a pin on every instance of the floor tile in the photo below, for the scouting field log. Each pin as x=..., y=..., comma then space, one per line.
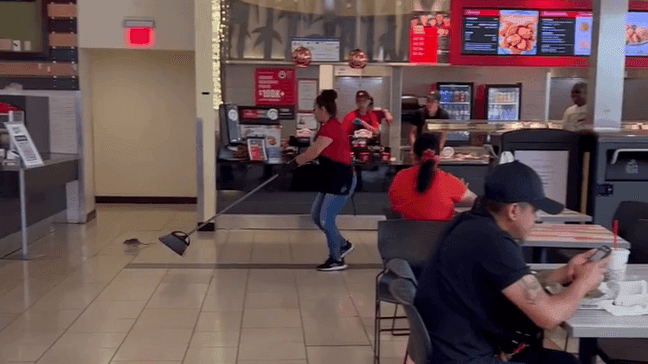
x=19, y=353
x=188, y=276
x=334, y=331
x=95, y=340
x=163, y=318
x=219, y=339
x=271, y=300
x=129, y=290
x=332, y=306
x=145, y=362
x=272, y=362
x=272, y=344
x=219, y=321
x=197, y=355
x=77, y=354
x=53, y=320
x=6, y=319
x=269, y=318
x=154, y=345
x=102, y=324
x=178, y=295
x=340, y=354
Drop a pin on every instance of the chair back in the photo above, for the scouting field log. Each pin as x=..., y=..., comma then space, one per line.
x=633, y=227
x=419, y=346
x=411, y=240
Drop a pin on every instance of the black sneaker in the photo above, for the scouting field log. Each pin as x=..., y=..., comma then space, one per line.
x=347, y=249
x=331, y=265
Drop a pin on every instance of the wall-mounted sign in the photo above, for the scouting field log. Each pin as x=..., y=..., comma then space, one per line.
x=265, y=114
x=322, y=49
x=274, y=86
x=429, y=35
x=307, y=93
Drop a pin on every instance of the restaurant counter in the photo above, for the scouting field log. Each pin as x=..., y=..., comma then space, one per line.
x=45, y=188
x=292, y=191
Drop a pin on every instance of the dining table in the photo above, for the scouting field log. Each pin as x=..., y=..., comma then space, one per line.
x=589, y=325
x=566, y=216
x=572, y=236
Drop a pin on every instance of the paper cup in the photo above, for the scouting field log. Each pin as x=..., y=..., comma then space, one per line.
x=618, y=264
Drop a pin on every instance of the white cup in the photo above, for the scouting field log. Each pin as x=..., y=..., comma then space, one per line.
x=618, y=264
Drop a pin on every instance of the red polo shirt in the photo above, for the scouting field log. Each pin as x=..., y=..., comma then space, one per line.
x=437, y=203
x=370, y=118
x=339, y=150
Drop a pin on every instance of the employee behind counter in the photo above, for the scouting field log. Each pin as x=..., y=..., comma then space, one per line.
x=432, y=110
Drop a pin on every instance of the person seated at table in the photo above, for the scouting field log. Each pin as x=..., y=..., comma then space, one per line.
x=424, y=192
x=478, y=298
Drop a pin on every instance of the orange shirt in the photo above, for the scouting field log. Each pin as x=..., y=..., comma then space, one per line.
x=437, y=203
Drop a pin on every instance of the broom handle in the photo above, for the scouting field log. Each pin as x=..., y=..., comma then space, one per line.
x=236, y=202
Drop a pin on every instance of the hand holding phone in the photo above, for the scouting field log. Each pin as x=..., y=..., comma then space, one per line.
x=600, y=253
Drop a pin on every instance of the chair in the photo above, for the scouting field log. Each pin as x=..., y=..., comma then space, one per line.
x=419, y=346
x=623, y=351
x=633, y=227
x=409, y=240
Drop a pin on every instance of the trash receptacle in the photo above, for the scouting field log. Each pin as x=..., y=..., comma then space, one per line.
x=619, y=172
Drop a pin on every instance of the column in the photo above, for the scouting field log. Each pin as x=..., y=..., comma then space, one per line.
x=205, y=109
x=607, y=64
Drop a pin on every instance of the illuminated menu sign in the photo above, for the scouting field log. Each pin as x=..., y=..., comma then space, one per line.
x=542, y=33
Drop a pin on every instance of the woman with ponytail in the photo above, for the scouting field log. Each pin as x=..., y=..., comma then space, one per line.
x=424, y=192
x=335, y=178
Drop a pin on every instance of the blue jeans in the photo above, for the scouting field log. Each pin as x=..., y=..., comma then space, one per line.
x=325, y=209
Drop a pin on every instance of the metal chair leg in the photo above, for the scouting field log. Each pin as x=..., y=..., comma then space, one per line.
x=393, y=328
x=377, y=332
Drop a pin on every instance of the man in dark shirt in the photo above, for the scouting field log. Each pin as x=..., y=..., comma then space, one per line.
x=477, y=296
x=432, y=110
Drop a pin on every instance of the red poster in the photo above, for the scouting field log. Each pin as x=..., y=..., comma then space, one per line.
x=274, y=86
x=423, y=44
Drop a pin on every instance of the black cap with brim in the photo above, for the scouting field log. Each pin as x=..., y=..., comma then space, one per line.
x=548, y=205
x=516, y=182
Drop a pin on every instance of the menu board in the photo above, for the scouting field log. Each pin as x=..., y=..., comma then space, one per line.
x=542, y=33
x=565, y=33
x=637, y=34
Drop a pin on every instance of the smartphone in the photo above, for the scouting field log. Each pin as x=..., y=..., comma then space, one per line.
x=600, y=253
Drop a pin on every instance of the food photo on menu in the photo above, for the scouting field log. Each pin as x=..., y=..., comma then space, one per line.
x=637, y=34
x=583, y=36
x=518, y=34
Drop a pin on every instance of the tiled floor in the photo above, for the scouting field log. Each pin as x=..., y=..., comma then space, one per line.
x=236, y=297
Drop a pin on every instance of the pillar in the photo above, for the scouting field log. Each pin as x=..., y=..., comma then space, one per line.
x=607, y=64
x=205, y=109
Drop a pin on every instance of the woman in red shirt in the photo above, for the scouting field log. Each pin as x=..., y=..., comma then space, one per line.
x=335, y=178
x=362, y=117
x=424, y=192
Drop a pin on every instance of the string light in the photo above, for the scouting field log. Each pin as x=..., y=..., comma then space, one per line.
x=220, y=9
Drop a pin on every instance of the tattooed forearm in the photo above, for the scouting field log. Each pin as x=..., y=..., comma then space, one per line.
x=532, y=288
x=543, y=276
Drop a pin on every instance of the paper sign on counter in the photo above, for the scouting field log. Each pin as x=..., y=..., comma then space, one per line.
x=22, y=142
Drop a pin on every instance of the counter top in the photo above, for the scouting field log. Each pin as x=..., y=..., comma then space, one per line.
x=48, y=160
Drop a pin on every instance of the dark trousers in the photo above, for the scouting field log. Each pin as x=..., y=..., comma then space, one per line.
x=534, y=356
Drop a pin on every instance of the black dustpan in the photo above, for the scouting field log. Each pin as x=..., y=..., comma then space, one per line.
x=176, y=241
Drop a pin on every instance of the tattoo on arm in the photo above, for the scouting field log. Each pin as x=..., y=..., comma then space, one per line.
x=543, y=277
x=532, y=288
